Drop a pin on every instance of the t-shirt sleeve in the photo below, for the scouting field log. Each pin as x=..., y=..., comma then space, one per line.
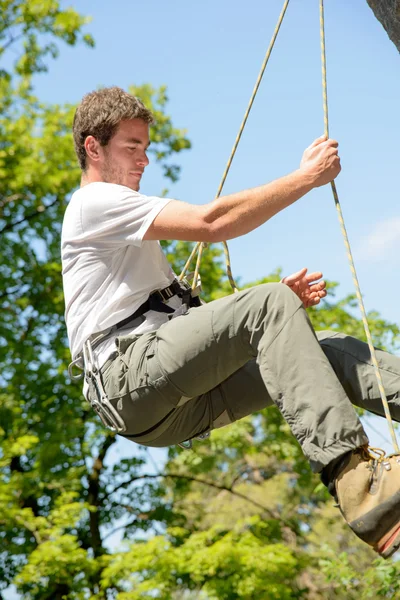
x=117, y=215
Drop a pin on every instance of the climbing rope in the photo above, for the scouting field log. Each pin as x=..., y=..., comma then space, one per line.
x=346, y=240
x=198, y=248
x=201, y=245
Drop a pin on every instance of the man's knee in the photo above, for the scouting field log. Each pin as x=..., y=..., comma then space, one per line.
x=275, y=294
x=273, y=301
x=327, y=336
x=333, y=342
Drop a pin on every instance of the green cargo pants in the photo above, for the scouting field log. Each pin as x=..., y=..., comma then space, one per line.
x=231, y=357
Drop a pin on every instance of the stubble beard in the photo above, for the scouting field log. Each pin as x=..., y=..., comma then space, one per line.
x=113, y=173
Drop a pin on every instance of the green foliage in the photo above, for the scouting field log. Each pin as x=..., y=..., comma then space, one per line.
x=32, y=27
x=166, y=140
x=225, y=564
x=340, y=316
x=52, y=448
x=379, y=579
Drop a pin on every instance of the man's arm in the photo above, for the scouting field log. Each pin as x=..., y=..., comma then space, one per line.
x=235, y=215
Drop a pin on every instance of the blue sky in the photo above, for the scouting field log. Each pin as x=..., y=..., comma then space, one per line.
x=208, y=54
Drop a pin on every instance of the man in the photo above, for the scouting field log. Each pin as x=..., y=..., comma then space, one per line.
x=161, y=370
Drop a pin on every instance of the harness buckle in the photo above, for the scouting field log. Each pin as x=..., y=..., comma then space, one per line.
x=87, y=361
x=166, y=294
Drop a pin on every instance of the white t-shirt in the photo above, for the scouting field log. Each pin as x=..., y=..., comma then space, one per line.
x=108, y=270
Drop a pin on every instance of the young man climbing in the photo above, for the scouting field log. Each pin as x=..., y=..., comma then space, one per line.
x=160, y=369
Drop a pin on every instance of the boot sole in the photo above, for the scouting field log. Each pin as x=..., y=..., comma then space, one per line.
x=389, y=543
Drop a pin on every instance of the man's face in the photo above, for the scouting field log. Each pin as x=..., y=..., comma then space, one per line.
x=124, y=159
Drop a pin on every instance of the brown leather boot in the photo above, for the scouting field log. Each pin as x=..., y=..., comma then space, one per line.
x=368, y=493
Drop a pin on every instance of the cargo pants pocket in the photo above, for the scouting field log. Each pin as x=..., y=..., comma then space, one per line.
x=134, y=384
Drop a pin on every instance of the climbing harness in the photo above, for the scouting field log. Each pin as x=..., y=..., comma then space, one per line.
x=87, y=362
x=198, y=248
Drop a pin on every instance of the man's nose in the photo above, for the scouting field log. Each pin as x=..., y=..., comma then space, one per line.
x=143, y=160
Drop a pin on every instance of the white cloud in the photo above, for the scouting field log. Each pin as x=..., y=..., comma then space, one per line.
x=382, y=242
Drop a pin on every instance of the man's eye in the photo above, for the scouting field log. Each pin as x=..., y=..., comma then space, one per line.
x=131, y=147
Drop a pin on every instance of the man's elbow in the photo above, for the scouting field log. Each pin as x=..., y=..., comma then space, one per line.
x=214, y=229
x=216, y=232
x=210, y=232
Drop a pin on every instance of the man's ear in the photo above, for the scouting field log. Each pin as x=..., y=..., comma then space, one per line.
x=92, y=147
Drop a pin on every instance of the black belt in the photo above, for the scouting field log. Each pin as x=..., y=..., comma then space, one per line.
x=156, y=301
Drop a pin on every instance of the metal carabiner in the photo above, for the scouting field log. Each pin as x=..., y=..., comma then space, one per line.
x=88, y=358
x=78, y=364
x=188, y=444
x=98, y=398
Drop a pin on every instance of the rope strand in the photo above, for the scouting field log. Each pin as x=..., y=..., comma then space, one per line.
x=200, y=245
x=347, y=243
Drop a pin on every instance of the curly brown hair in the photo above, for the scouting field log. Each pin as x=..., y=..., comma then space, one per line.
x=99, y=115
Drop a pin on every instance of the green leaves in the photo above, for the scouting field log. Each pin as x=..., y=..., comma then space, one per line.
x=57, y=568
x=166, y=139
x=32, y=26
x=378, y=579
x=224, y=564
x=55, y=495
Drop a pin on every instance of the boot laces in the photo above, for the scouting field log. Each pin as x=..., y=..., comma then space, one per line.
x=374, y=457
x=369, y=453
x=377, y=460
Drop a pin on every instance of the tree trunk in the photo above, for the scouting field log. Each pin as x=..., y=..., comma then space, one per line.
x=388, y=13
x=93, y=496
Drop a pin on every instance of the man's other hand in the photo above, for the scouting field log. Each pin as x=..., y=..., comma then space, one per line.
x=307, y=287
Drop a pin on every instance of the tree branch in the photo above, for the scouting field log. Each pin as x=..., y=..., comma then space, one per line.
x=10, y=291
x=10, y=41
x=118, y=529
x=28, y=217
x=217, y=486
x=8, y=199
x=93, y=496
x=30, y=528
x=134, y=520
